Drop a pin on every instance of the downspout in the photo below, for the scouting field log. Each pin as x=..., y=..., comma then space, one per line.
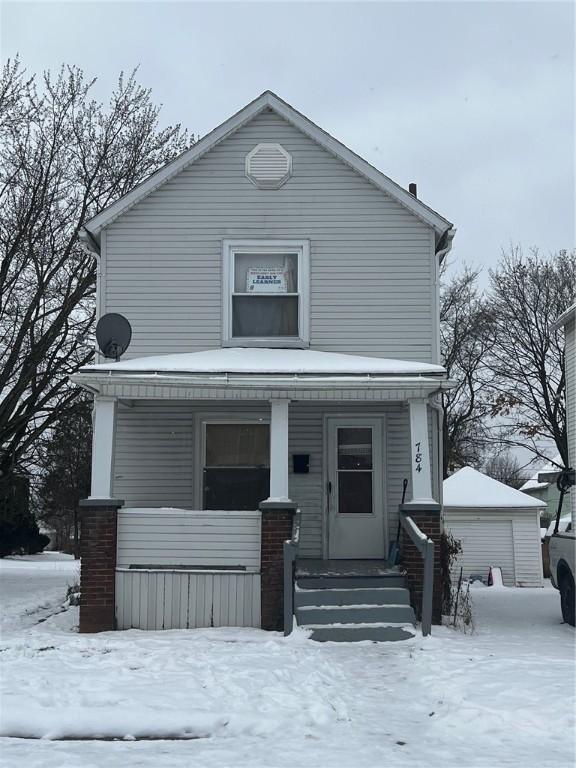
x=442, y=250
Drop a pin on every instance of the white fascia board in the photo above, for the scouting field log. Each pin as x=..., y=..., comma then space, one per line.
x=282, y=108
x=372, y=174
x=203, y=145
x=295, y=382
x=565, y=318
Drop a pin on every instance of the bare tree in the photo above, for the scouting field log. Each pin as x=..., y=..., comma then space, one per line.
x=528, y=293
x=464, y=341
x=63, y=158
x=505, y=468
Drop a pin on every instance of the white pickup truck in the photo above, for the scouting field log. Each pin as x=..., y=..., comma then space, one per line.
x=562, y=548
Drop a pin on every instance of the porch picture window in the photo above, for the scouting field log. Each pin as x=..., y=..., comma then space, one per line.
x=236, y=473
x=237, y=445
x=267, y=294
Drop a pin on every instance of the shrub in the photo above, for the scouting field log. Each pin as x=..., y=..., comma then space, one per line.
x=449, y=550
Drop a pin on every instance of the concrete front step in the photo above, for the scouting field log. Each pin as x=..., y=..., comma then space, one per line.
x=356, y=632
x=355, y=614
x=352, y=596
x=351, y=582
x=348, y=601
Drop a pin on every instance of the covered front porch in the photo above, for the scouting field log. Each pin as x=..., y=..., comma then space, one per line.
x=336, y=444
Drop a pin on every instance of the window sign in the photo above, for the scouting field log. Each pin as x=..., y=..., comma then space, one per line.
x=266, y=280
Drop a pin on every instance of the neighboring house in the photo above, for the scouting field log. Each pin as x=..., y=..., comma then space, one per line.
x=568, y=322
x=496, y=525
x=546, y=491
x=283, y=296
x=561, y=541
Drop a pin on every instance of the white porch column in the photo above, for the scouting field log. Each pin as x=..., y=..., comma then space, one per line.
x=104, y=429
x=421, y=465
x=279, y=450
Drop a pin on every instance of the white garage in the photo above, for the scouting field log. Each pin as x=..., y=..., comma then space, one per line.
x=496, y=525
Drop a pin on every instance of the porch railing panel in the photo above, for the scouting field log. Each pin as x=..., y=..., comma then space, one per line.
x=183, y=569
x=189, y=538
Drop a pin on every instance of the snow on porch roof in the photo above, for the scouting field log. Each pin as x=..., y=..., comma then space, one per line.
x=262, y=361
x=470, y=488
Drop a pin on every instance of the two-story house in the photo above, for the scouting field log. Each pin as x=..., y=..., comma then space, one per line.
x=283, y=297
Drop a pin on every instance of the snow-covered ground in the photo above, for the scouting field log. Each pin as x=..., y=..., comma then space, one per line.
x=503, y=696
x=31, y=587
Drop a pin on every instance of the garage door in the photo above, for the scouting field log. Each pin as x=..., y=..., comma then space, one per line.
x=485, y=543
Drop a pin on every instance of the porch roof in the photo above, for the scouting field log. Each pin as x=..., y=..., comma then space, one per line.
x=264, y=361
x=257, y=373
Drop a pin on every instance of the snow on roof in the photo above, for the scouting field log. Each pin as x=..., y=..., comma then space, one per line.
x=248, y=360
x=532, y=484
x=470, y=488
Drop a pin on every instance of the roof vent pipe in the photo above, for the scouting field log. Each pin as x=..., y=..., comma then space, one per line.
x=413, y=189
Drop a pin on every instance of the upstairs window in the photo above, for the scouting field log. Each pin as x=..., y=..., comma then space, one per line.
x=266, y=293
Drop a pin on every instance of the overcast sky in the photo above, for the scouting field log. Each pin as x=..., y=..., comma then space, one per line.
x=473, y=101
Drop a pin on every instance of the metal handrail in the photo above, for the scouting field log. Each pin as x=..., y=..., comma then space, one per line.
x=290, y=553
x=425, y=547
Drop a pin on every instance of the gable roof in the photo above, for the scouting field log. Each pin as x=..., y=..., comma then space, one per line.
x=268, y=100
x=470, y=488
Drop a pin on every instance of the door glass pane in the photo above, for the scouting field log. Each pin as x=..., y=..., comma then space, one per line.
x=355, y=493
x=258, y=316
x=237, y=445
x=354, y=448
x=354, y=470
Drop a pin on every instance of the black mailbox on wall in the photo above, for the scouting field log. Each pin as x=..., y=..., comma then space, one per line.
x=301, y=463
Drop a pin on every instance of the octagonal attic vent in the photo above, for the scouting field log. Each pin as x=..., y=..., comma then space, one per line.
x=268, y=166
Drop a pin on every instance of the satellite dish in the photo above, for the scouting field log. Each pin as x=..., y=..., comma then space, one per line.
x=113, y=334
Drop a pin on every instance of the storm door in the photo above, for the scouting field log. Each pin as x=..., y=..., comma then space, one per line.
x=355, y=494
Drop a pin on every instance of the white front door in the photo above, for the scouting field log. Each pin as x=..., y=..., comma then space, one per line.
x=355, y=495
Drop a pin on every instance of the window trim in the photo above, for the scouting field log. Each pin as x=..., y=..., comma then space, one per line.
x=201, y=419
x=302, y=248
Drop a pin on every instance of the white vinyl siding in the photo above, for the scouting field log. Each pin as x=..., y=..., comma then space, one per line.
x=153, y=454
x=156, y=455
x=371, y=261
x=507, y=538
